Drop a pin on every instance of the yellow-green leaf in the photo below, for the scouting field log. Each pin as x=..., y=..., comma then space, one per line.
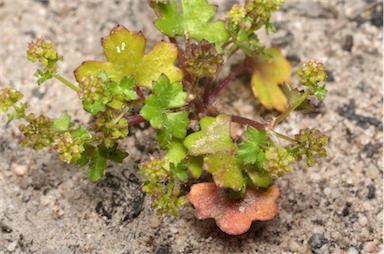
x=213, y=137
x=226, y=170
x=124, y=51
x=268, y=71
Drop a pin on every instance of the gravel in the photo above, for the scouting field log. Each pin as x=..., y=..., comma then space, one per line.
x=50, y=207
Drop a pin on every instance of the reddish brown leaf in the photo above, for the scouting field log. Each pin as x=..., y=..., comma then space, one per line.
x=232, y=216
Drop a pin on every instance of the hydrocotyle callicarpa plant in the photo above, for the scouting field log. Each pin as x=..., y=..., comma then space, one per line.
x=173, y=88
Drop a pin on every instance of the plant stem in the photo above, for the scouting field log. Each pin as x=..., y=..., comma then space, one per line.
x=140, y=94
x=285, y=137
x=132, y=120
x=212, y=97
x=121, y=115
x=207, y=89
x=291, y=108
x=170, y=187
x=246, y=121
x=231, y=50
x=66, y=82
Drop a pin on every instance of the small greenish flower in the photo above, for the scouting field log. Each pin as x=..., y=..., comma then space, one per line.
x=311, y=73
x=260, y=11
x=109, y=127
x=69, y=147
x=278, y=161
x=163, y=187
x=309, y=141
x=91, y=89
x=237, y=14
x=42, y=50
x=202, y=59
x=8, y=98
x=38, y=132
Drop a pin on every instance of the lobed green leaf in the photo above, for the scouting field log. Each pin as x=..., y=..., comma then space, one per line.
x=194, y=22
x=213, y=137
x=62, y=123
x=157, y=110
x=250, y=151
x=97, y=165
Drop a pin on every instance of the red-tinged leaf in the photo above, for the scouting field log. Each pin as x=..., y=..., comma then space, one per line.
x=233, y=216
x=268, y=71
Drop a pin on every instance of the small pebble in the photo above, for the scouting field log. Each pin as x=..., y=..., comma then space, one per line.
x=363, y=221
x=337, y=250
x=370, y=247
x=173, y=230
x=327, y=191
x=372, y=171
x=371, y=191
x=24, y=183
x=20, y=170
x=317, y=240
x=364, y=233
x=12, y=246
x=294, y=246
x=57, y=211
x=318, y=230
x=154, y=222
x=315, y=177
x=45, y=200
x=352, y=251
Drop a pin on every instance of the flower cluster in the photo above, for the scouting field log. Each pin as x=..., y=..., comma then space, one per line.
x=237, y=15
x=162, y=186
x=278, y=160
x=42, y=50
x=69, y=147
x=244, y=21
x=202, y=59
x=309, y=141
x=109, y=127
x=91, y=89
x=38, y=132
x=8, y=98
x=260, y=11
x=311, y=73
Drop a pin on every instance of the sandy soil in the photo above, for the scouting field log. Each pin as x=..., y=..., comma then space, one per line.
x=336, y=207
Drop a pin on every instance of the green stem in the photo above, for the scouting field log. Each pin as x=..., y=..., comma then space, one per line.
x=66, y=82
x=123, y=112
x=291, y=108
x=285, y=137
x=232, y=50
x=170, y=188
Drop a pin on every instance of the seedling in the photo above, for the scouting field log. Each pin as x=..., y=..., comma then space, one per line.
x=174, y=85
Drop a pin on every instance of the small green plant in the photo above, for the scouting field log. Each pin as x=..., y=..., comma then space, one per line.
x=174, y=84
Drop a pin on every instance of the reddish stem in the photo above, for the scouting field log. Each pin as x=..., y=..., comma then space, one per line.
x=246, y=121
x=207, y=90
x=212, y=97
x=140, y=94
x=133, y=120
x=199, y=105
